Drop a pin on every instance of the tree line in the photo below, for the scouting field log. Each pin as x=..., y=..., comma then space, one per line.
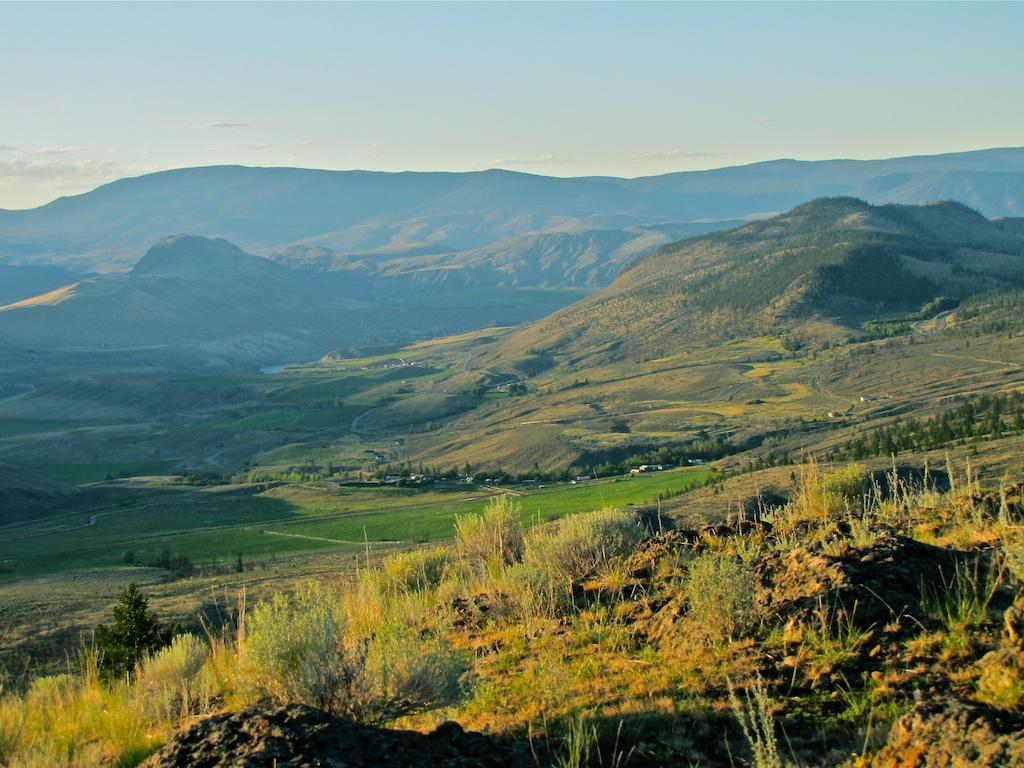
x=987, y=417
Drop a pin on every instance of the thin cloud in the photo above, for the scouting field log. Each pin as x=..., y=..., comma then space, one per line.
x=241, y=145
x=680, y=154
x=7, y=148
x=542, y=160
x=55, y=151
x=62, y=171
x=226, y=125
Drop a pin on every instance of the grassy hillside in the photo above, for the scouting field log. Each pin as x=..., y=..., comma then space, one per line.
x=26, y=495
x=852, y=374
x=838, y=260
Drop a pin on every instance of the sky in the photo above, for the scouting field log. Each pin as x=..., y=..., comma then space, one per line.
x=95, y=92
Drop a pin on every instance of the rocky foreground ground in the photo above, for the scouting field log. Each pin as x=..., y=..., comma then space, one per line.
x=864, y=635
x=298, y=736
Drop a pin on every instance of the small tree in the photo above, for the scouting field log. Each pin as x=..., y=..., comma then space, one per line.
x=135, y=633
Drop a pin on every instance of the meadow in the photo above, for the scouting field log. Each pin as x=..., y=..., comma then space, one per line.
x=213, y=525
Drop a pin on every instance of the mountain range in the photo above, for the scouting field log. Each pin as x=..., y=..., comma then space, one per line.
x=482, y=228
x=836, y=261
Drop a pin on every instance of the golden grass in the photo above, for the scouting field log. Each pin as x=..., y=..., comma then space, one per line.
x=52, y=297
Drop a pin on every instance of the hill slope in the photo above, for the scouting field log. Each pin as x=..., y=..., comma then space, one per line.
x=585, y=258
x=840, y=259
x=186, y=291
x=24, y=495
x=17, y=283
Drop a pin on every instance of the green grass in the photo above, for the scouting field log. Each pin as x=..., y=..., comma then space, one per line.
x=209, y=524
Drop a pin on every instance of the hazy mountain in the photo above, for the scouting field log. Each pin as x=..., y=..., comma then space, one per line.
x=585, y=258
x=206, y=301
x=266, y=210
x=185, y=292
x=841, y=260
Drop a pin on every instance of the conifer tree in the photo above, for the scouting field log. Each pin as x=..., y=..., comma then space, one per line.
x=135, y=633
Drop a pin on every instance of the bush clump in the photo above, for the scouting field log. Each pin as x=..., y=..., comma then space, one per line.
x=583, y=545
x=417, y=569
x=173, y=683
x=720, y=594
x=294, y=644
x=300, y=650
x=822, y=496
x=495, y=537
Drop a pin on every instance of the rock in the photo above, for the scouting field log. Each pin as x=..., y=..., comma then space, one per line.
x=1008, y=503
x=475, y=611
x=642, y=562
x=871, y=584
x=1001, y=676
x=739, y=528
x=298, y=736
x=1013, y=619
x=953, y=733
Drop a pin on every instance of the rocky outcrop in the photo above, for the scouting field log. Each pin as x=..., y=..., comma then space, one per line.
x=303, y=737
x=872, y=584
x=953, y=733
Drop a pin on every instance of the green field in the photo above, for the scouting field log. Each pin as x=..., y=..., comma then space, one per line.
x=216, y=524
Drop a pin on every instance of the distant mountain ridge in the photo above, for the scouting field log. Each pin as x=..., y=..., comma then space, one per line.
x=586, y=258
x=423, y=225
x=838, y=260
x=186, y=292
x=204, y=302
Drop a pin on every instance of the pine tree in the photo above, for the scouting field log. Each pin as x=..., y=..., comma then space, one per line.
x=135, y=633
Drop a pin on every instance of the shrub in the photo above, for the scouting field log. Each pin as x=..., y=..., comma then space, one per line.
x=172, y=683
x=847, y=483
x=496, y=536
x=300, y=649
x=407, y=673
x=757, y=723
x=822, y=496
x=530, y=591
x=295, y=647
x=416, y=570
x=720, y=594
x=583, y=545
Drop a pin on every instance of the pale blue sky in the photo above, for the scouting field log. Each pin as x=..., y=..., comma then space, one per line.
x=92, y=92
